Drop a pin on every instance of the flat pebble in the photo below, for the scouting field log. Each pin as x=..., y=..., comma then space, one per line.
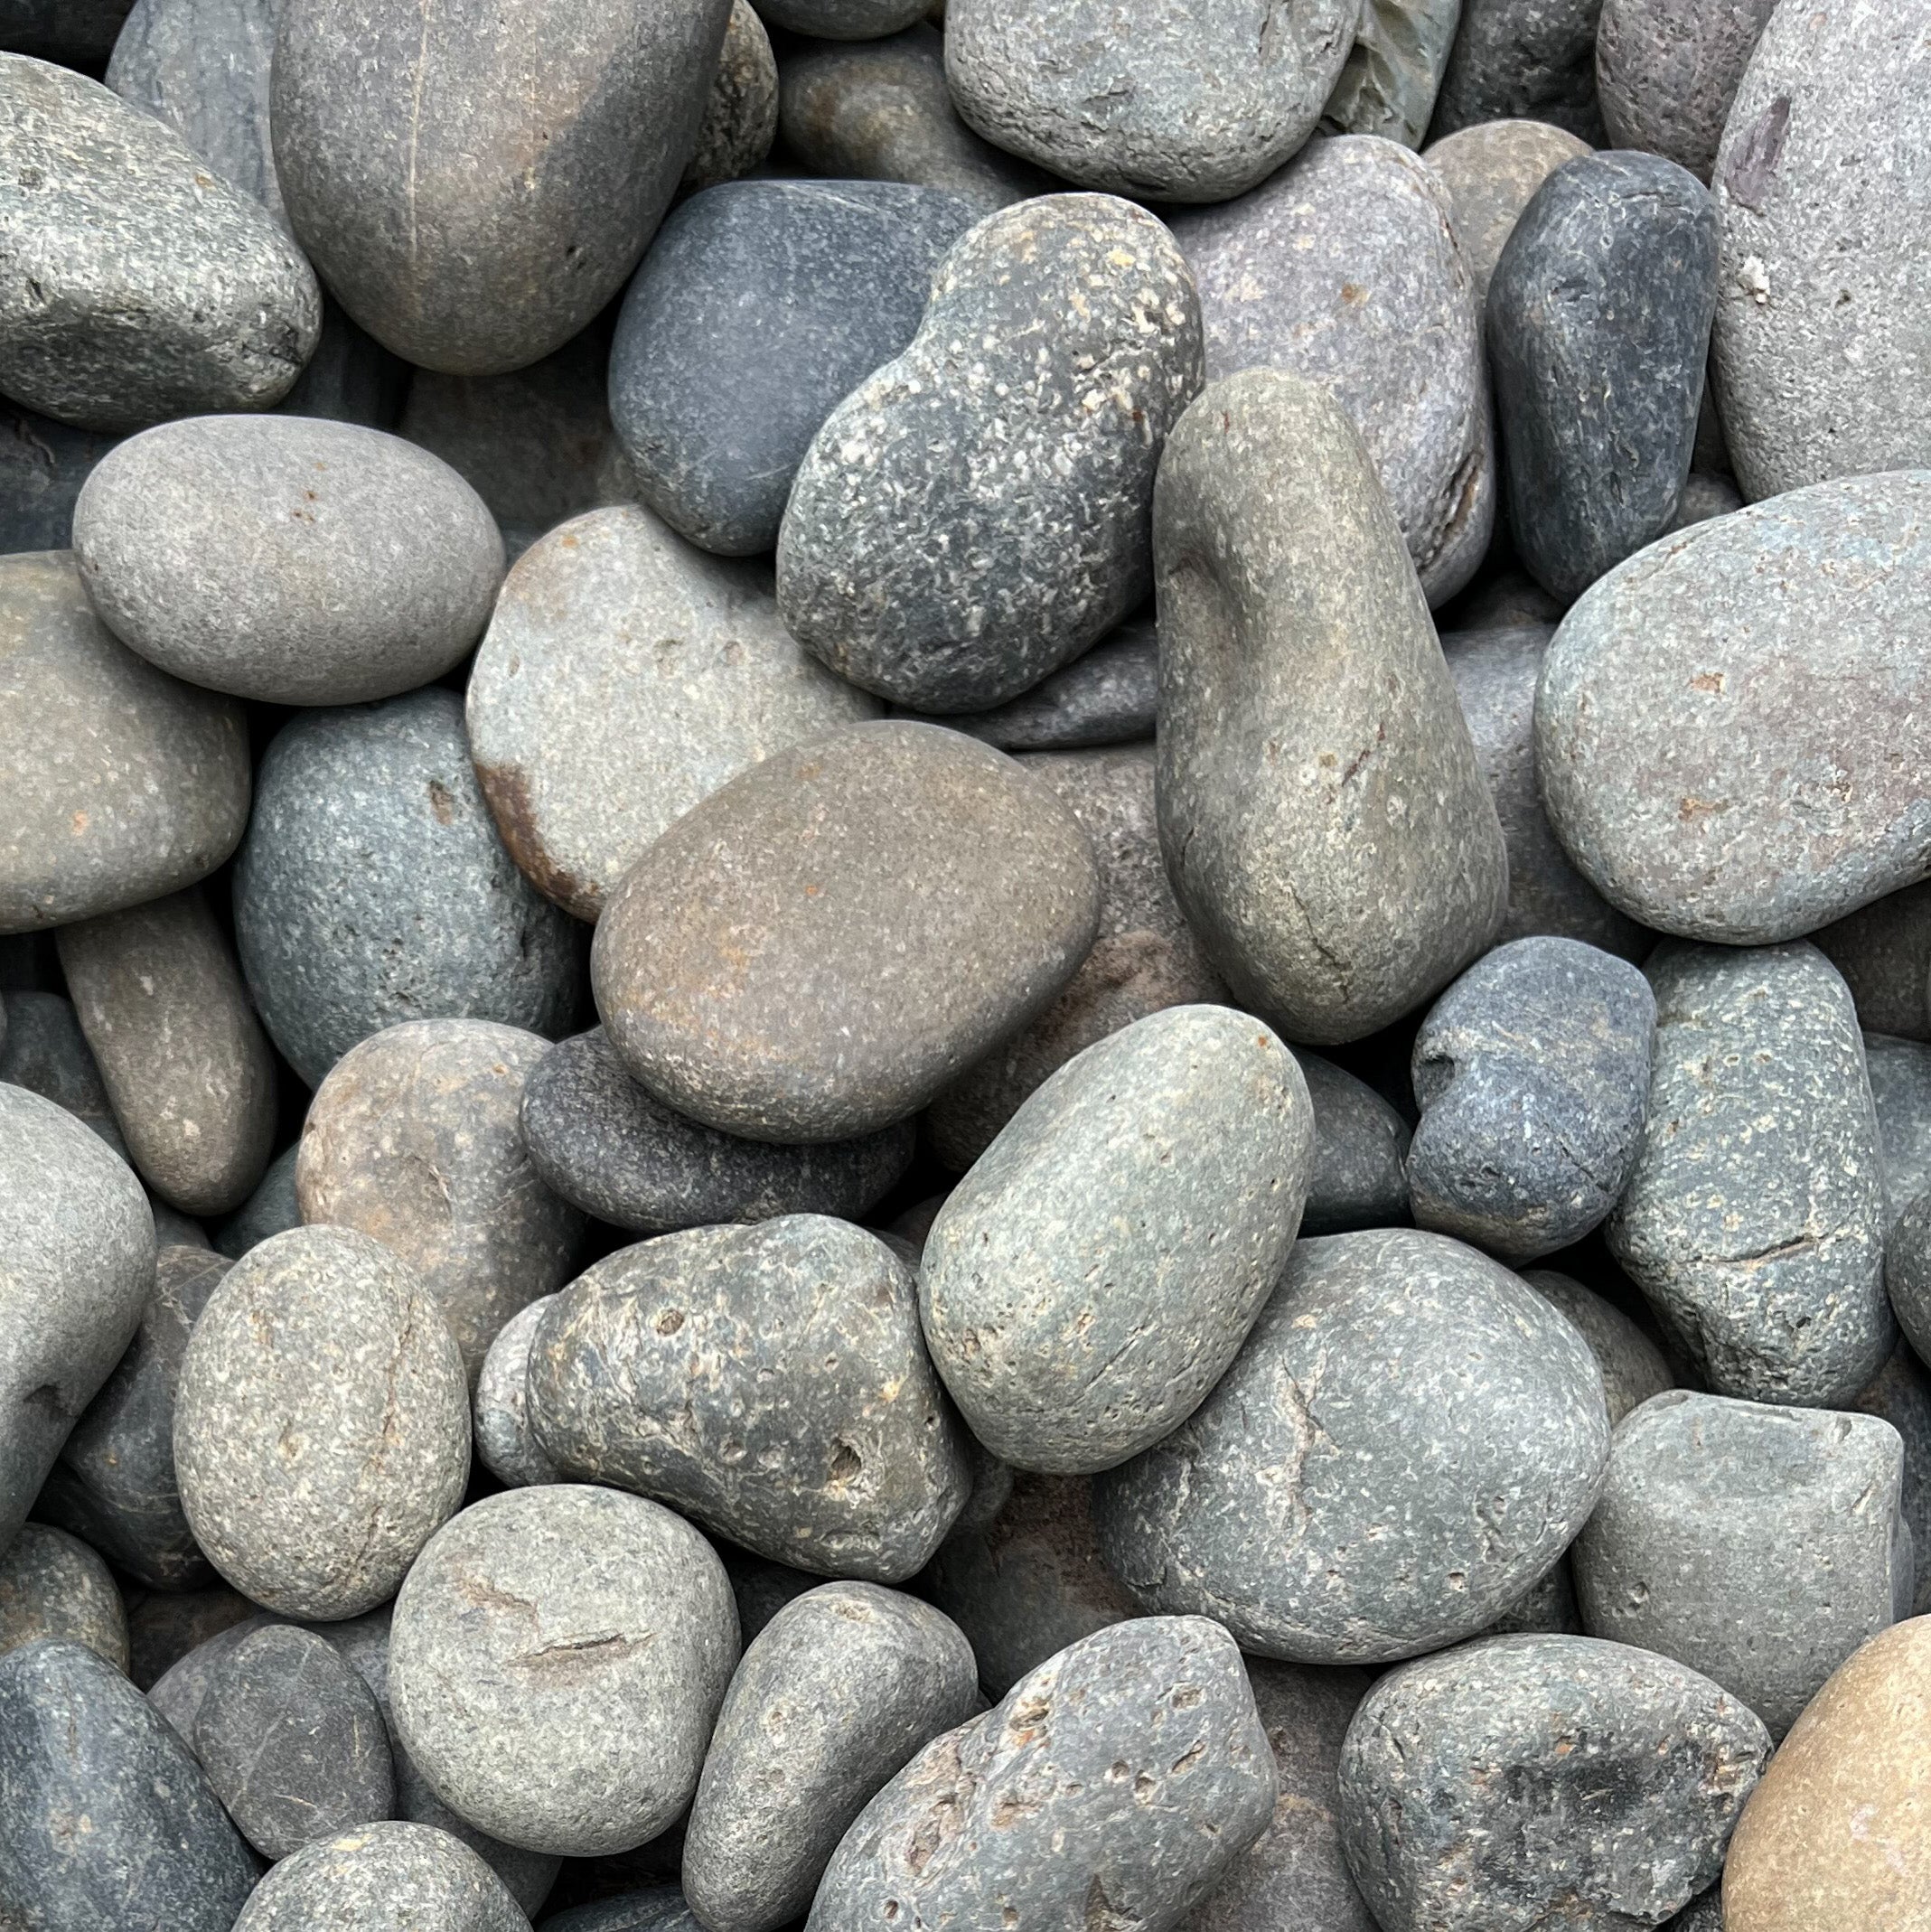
x=1633, y=1368
x=1492, y=171
x=54, y=1585
x=381, y=1876
x=741, y=115
x=1359, y=1175
x=1388, y=83
x=271, y=1209
x=1883, y=951
x=1667, y=70
x=1533, y=59
x=44, y=1050
x=500, y=1408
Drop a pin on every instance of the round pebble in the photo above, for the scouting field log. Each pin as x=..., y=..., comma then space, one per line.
x=379, y=1876
x=1492, y=171
x=54, y=1585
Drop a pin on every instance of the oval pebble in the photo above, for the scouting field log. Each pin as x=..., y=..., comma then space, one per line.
x=1633, y=1368
x=1492, y=171
x=501, y=1404
x=1667, y=71
x=54, y=1585
x=379, y=1876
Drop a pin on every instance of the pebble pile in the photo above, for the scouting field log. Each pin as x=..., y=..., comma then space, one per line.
x=965, y=966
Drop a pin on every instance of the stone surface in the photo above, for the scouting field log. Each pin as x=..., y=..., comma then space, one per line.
x=405, y=147
x=1176, y=103
x=963, y=526
x=79, y=1248
x=1325, y=825
x=1666, y=73
x=186, y=1067
x=842, y=1686
x=321, y=1425
x=1908, y=1272
x=1759, y=1545
x=818, y=1434
x=599, y=1139
x=165, y=1625
x=1823, y=184
x=77, y=1740
x=1092, y=1278
x=180, y=1690
x=1755, y=1220
x=1508, y=599
x=836, y=1020
x=741, y=117
x=1534, y=1779
x=1900, y=1093
x=271, y=1209
x=292, y=1742
x=1633, y=1368
x=558, y=1657
x=1131, y=1768
x=373, y=888
x=1839, y=1831
x=1492, y=171
x=1704, y=495
x=52, y=1585
x=500, y=1406
x=383, y=1875
x=115, y=1483
x=1883, y=951
x=137, y=286
x=1344, y=270
x=1353, y=1491
x=1899, y=1393
x=413, y=1140
x=1144, y=960
x=43, y=465
x=1532, y=1074
x=116, y=783
x=1533, y=59
x=655, y=1908
x=761, y=306
x=1388, y=84
x=1781, y=642
x=44, y=1050
x=1360, y=1176
x=624, y=677
x=201, y=544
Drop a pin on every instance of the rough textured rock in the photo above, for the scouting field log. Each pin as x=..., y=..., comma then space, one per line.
x=116, y=783
x=1633, y=1368
x=1756, y=1545
x=201, y=544
x=624, y=677
x=1900, y=1093
x=137, y=285
x=77, y=1740
x=1178, y=103
x=1388, y=84
x=1492, y=171
x=52, y=1585
x=373, y=888
x=1360, y=1176
x=1532, y=1074
x=818, y=1436
x=190, y=1075
x=741, y=117
x=558, y=1657
x=79, y=1248
x=1325, y=822
x=1537, y=1779
x=839, y=1021
x=413, y=1139
x=322, y=1423
x=271, y=1209
x=292, y=1742
x=1532, y=58
x=382, y=1875
x=758, y=309
x=1666, y=72
x=501, y=1404
x=43, y=465
x=1755, y=1220
x=403, y=141
x=1823, y=185
x=1704, y=1913
x=1092, y=1278
x=966, y=522
x=1883, y=951
x=1353, y=1491
x=598, y=1139
x=1344, y=269
x=1781, y=642
x=1899, y=1393
x=44, y=1050
x=838, y=1691
x=1838, y=1830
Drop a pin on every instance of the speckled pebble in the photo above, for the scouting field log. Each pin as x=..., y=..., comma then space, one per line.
x=1533, y=58
x=505, y=1443
x=1667, y=71
x=741, y=117
x=380, y=1877
x=54, y=1585
x=1492, y=171
x=1633, y=1368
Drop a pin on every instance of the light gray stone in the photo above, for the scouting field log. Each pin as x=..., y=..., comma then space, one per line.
x=1633, y=1368
x=1666, y=73
x=54, y=1585
x=1492, y=171
x=1388, y=82
x=741, y=117
x=382, y=1875
x=1883, y=951
x=1900, y=1094
x=1360, y=1178
x=44, y=1050
x=501, y=1415
x=1514, y=58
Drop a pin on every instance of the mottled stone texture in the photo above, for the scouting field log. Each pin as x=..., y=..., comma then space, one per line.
x=383, y=1874
x=1324, y=819
x=1492, y=171
x=54, y=1585
x=500, y=1408
x=837, y=19
x=975, y=513
x=1883, y=951
x=1522, y=58
x=1667, y=70
x=1389, y=81
x=741, y=117
x=1633, y=1368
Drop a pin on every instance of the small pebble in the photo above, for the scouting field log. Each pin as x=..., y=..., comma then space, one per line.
x=1492, y=171
x=383, y=1876
x=1359, y=1175
x=44, y=1050
x=1533, y=59
x=1900, y=1093
x=54, y=1585
x=271, y=1209
x=505, y=1443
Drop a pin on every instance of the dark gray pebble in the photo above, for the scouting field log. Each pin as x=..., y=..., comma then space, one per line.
x=271, y=1209
x=165, y=1625
x=1901, y=1095
x=1883, y=951
x=44, y=1050
x=1633, y=1368
x=500, y=1408
x=381, y=1877
x=43, y=465
x=1360, y=1178
x=351, y=378
x=656, y=1908
x=1900, y=1394
x=1514, y=58
x=1908, y=1272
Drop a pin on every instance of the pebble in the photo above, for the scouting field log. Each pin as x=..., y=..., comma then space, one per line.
x=1777, y=643
x=741, y=117
x=372, y=888
x=413, y=1139
x=1755, y=1220
x=1522, y=59
x=761, y=306
x=1759, y=1545
x=558, y=1659
x=599, y=1139
x=1354, y=1490
x=1176, y=105
x=44, y=1050
x=500, y=1407
x=1115, y=1785
x=1344, y=269
x=1633, y=1368
x=1092, y=1277
x=626, y=677
x=271, y=1209
x=1532, y=1074
x=321, y=1424
x=836, y=1024
x=1360, y=1173
x=1510, y=1781
x=1325, y=825
x=292, y=1742
x=165, y=1625
x=1667, y=70
x=114, y=1483
x=405, y=147
x=1908, y=1272
x=1883, y=951
x=844, y=1685
x=79, y=1247
x=963, y=525
x=379, y=1876
x=43, y=465
x=179, y=1691
x=1492, y=171
x=77, y=1741
x=1900, y=1093
x=52, y=1585
x=1823, y=185
x=1389, y=81
x=1598, y=333
x=817, y=1435
x=138, y=284
x=117, y=784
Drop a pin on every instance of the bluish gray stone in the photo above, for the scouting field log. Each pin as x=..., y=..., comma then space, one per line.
x=1511, y=59
x=1908, y=1272
x=1900, y=1394
x=271, y=1209
x=43, y=465
x=380, y=1875
x=1883, y=951
x=1352, y=1492
x=1360, y=1178
x=54, y=1585
x=44, y=1050
x=1667, y=70
x=1900, y=1094
x=1633, y=1368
